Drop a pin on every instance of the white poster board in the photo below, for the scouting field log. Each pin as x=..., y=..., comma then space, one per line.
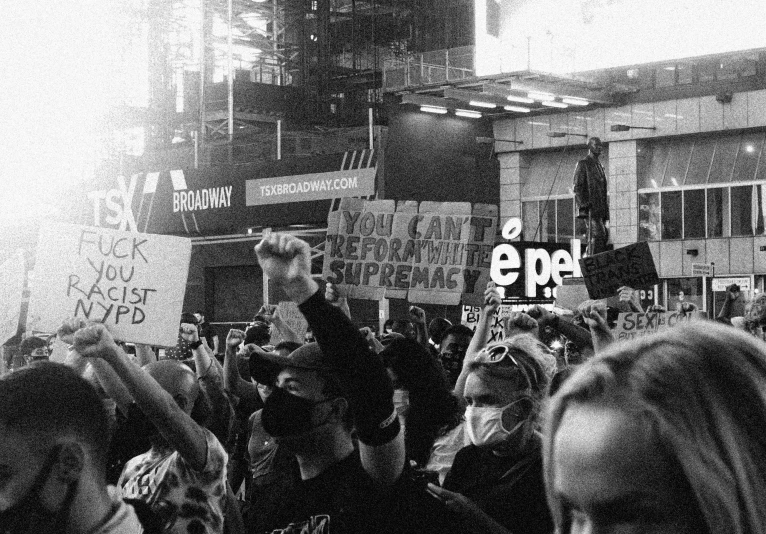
x=134, y=283
x=12, y=273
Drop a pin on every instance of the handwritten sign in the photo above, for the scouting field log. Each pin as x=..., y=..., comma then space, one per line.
x=134, y=283
x=632, y=324
x=472, y=314
x=292, y=317
x=434, y=253
x=631, y=266
x=12, y=274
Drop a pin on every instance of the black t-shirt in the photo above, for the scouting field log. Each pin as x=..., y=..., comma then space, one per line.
x=510, y=489
x=207, y=332
x=344, y=499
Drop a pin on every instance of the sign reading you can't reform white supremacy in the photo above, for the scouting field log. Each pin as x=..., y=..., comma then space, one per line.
x=134, y=283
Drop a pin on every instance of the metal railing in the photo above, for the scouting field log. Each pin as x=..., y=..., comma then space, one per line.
x=434, y=67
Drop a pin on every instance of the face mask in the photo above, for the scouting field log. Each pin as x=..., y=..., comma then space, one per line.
x=285, y=414
x=29, y=515
x=484, y=425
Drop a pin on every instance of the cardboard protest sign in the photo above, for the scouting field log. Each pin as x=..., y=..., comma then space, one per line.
x=12, y=275
x=632, y=324
x=431, y=253
x=573, y=293
x=292, y=317
x=133, y=283
x=631, y=266
x=472, y=314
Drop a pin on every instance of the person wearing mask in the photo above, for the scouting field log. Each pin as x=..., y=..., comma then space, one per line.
x=662, y=434
x=183, y=476
x=496, y=482
x=452, y=351
x=343, y=486
x=54, y=437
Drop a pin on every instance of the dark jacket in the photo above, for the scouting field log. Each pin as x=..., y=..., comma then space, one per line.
x=590, y=189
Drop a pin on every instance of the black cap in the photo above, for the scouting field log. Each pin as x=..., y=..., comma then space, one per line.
x=266, y=366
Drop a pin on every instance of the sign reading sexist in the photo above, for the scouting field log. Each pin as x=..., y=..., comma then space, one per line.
x=133, y=283
x=429, y=253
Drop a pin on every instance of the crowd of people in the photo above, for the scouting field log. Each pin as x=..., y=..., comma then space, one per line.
x=425, y=428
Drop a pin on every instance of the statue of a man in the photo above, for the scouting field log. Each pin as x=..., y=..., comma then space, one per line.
x=592, y=198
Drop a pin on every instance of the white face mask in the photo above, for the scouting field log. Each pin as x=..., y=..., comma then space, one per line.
x=484, y=425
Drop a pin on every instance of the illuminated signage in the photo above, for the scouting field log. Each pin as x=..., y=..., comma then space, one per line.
x=581, y=35
x=532, y=271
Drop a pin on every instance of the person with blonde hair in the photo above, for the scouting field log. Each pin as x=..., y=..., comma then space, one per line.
x=662, y=434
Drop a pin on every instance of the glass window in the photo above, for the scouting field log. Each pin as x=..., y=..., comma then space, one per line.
x=565, y=219
x=682, y=290
x=699, y=164
x=684, y=73
x=747, y=157
x=694, y=213
x=678, y=161
x=717, y=203
x=648, y=216
x=550, y=173
x=723, y=160
x=760, y=213
x=742, y=210
x=657, y=161
x=666, y=76
x=548, y=221
x=530, y=217
x=671, y=215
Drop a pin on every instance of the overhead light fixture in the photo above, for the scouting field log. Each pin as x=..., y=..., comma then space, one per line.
x=625, y=128
x=574, y=101
x=480, y=104
x=554, y=104
x=518, y=109
x=434, y=109
x=487, y=140
x=564, y=134
x=542, y=97
x=520, y=99
x=468, y=113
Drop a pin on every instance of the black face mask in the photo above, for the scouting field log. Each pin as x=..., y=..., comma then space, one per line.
x=29, y=515
x=285, y=414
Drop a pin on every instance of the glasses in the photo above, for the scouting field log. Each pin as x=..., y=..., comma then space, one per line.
x=499, y=353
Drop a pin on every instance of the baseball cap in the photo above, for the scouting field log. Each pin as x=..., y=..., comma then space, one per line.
x=266, y=366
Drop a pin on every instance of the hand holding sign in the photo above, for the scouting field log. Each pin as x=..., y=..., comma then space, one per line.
x=331, y=293
x=95, y=341
x=68, y=329
x=631, y=296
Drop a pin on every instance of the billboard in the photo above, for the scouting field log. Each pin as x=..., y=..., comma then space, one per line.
x=563, y=36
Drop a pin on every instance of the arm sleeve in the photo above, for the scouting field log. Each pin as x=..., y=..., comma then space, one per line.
x=365, y=379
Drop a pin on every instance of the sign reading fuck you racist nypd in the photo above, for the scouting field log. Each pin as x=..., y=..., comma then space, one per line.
x=133, y=283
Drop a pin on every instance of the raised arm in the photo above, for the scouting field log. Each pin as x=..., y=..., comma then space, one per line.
x=232, y=380
x=286, y=260
x=492, y=303
x=175, y=425
x=418, y=318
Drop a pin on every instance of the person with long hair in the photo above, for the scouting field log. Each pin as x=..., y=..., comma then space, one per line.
x=662, y=434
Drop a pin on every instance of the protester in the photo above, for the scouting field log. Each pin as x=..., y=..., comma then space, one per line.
x=733, y=305
x=183, y=476
x=53, y=445
x=34, y=349
x=662, y=434
x=182, y=350
x=318, y=388
x=431, y=408
x=206, y=333
x=452, y=350
x=496, y=483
